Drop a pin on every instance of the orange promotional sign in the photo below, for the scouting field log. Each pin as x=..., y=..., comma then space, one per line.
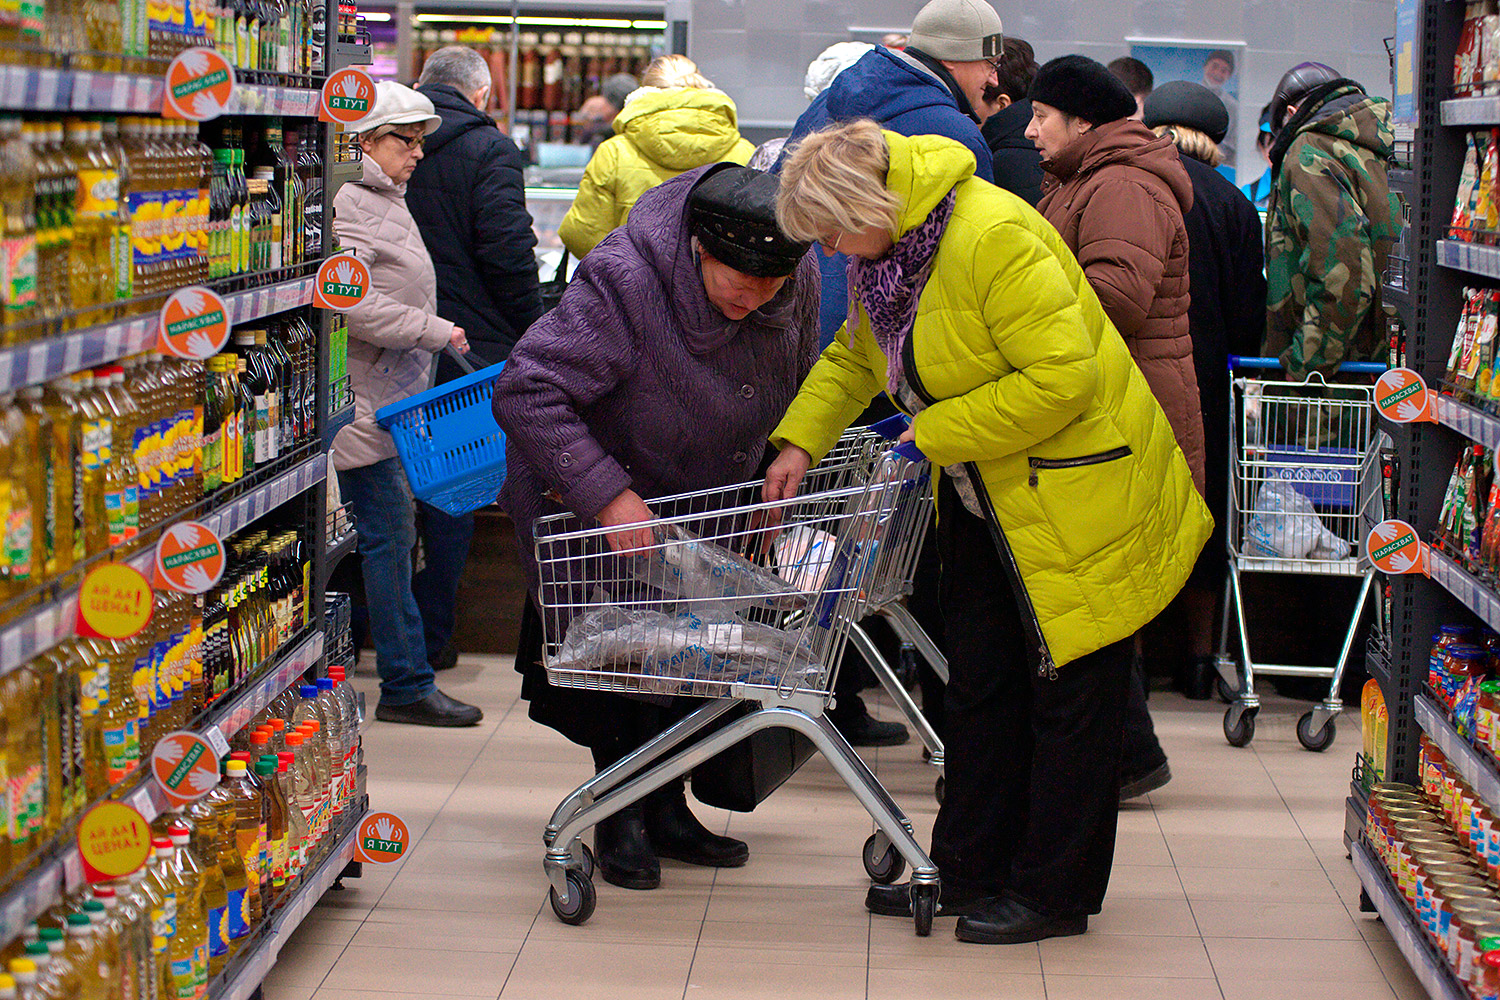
x=342, y=282
x=185, y=767
x=1395, y=549
x=114, y=840
x=1402, y=397
x=194, y=324
x=114, y=602
x=189, y=558
x=200, y=83
x=348, y=96
x=383, y=839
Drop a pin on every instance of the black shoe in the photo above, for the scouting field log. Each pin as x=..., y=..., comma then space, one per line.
x=446, y=659
x=676, y=833
x=1134, y=786
x=864, y=730
x=623, y=851
x=1198, y=678
x=1005, y=920
x=437, y=709
x=895, y=901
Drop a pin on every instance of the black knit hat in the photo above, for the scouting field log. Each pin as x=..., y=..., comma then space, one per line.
x=732, y=211
x=1189, y=104
x=1079, y=86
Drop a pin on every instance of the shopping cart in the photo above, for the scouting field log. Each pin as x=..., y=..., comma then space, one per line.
x=1304, y=484
x=741, y=602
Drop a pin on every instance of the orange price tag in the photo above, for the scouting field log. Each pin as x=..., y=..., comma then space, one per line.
x=185, y=767
x=342, y=281
x=200, y=83
x=114, y=602
x=1395, y=549
x=194, y=324
x=114, y=841
x=1402, y=397
x=383, y=839
x=347, y=96
x=189, y=558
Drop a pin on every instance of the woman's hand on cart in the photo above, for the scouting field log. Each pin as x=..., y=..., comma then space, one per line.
x=458, y=340
x=785, y=475
x=630, y=510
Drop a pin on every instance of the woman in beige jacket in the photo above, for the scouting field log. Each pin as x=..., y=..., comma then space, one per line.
x=393, y=333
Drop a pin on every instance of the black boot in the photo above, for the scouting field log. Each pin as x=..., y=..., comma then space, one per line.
x=676, y=833
x=624, y=853
x=1198, y=678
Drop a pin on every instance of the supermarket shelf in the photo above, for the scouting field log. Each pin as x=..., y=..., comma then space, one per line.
x=1393, y=295
x=337, y=421
x=337, y=550
x=1476, y=258
x=231, y=718
x=1426, y=962
x=28, y=364
x=1461, y=584
x=1356, y=814
x=345, y=173
x=351, y=54
x=1378, y=662
x=1477, y=768
x=1471, y=111
x=1472, y=423
x=242, y=979
x=30, y=88
x=45, y=627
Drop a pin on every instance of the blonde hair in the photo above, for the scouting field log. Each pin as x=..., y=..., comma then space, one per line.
x=834, y=181
x=674, y=71
x=1192, y=142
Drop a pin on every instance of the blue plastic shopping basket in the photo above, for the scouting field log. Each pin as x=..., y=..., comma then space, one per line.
x=451, y=447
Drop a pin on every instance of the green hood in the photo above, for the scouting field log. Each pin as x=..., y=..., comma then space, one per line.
x=1349, y=114
x=680, y=128
x=924, y=169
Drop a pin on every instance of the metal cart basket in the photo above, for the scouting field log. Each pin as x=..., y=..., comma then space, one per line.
x=1304, y=484
x=739, y=601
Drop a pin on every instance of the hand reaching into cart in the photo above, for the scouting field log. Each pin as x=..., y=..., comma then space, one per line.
x=785, y=475
x=629, y=510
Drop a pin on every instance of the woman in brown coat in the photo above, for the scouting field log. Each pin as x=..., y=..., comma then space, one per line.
x=1117, y=193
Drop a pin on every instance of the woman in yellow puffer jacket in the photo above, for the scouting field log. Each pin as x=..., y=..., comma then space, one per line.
x=1067, y=515
x=675, y=122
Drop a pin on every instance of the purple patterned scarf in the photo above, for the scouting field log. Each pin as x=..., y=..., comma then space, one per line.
x=889, y=287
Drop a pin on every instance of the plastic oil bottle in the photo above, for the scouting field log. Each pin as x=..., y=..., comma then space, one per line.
x=61, y=715
x=203, y=820
x=40, y=437
x=163, y=879
x=249, y=834
x=61, y=977
x=141, y=896
x=59, y=400
x=94, y=222
x=112, y=971
x=134, y=935
x=18, y=175
x=294, y=788
x=96, y=440
x=95, y=675
x=189, y=951
x=25, y=781
x=110, y=924
x=232, y=864
x=87, y=954
x=21, y=529
x=276, y=823
x=120, y=712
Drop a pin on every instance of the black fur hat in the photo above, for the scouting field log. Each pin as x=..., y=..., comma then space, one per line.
x=1079, y=86
x=732, y=211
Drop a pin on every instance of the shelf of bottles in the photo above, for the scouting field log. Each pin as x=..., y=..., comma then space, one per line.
x=1431, y=970
x=1476, y=766
x=27, y=88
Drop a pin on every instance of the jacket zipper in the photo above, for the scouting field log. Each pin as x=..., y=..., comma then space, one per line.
x=1047, y=667
x=1113, y=455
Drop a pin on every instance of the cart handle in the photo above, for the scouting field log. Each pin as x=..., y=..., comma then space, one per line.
x=463, y=362
x=891, y=428
x=1348, y=367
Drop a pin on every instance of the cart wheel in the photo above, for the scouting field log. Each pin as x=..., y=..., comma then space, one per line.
x=1224, y=691
x=885, y=869
x=589, y=864
x=1314, y=741
x=939, y=788
x=581, y=899
x=1239, y=735
x=923, y=907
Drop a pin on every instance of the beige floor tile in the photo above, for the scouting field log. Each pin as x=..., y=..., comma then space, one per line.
x=421, y=970
x=1145, y=917
x=907, y=984
x=894, y=945
x=1257, y=988
x=1204, y=850
x=1129, y=988
x=370, y=995
x=788, y=871
x=304, y=964
x=273, y=989
x=605, y=971
x=755, y=904
x=1164, y=957
x=501, y=931
x=1144, y=848
x=1272, y=884
x=1143, y=882
x=1310, y=962
x=318, y=928
x=835, y=943
x=776, y=972
x=1258, y=918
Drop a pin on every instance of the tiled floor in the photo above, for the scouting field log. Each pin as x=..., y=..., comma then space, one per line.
x=1231, y=884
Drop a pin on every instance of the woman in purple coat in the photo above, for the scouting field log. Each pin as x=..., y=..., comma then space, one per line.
x=674, y=352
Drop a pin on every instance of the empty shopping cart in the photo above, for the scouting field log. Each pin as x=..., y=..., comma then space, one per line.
x=1304, y=484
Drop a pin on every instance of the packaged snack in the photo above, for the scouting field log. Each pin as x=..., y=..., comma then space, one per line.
x=1458, y=227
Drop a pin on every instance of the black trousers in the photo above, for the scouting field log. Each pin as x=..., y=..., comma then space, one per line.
x=1032, y=764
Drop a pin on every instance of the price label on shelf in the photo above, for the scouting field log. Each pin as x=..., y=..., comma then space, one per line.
x=185, y=767
x=199, y=84
x=189, y=558
x=1395, y=549
x=194, y=324
x=1403, y=398
x=114, y=602
x=348, y=96
x=114, y=841
x=383, y=839
x=342, y=282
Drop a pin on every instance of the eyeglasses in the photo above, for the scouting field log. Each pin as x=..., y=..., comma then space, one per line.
x=412, y=141
x=832, y=243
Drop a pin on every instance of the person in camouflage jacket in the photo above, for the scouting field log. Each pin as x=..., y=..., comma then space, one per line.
x=1329, y=229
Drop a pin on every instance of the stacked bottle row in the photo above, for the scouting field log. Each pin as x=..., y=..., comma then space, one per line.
x=104, y=218
x=93, y=459
x=220, y=868
x=82, y=717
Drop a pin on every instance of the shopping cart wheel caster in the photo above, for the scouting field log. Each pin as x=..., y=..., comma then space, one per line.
x=581, y=899
x=923, y=907
x=1239, y=732
x=1317, y=741
x=1226, y=693
x=939, y=788
x=588, y=861
x=886, y=868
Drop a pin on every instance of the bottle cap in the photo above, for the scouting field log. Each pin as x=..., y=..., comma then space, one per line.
x=78, y=920
x=310, y=727
x=104, y=892
x=277, y=725
x=179, y=829
x=265, y=768
x=243, y=755
x=93, y=906
x=325, y=683
x=22, y=966
x=7, y=981
x=294, y=740
x=260, y=736
x=236, y=768
x=51, y=934
x=337, y=674
x=308, y=691
x=36, y=949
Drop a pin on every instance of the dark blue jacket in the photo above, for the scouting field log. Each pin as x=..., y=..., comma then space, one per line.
x=903, y=98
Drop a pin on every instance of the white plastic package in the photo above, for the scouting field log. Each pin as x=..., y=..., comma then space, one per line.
x=708, y=574
x=1285, y=525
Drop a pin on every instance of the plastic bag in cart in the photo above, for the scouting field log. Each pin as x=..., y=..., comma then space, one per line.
x=711, y=646
x=1285, y=525
x=684, y=566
